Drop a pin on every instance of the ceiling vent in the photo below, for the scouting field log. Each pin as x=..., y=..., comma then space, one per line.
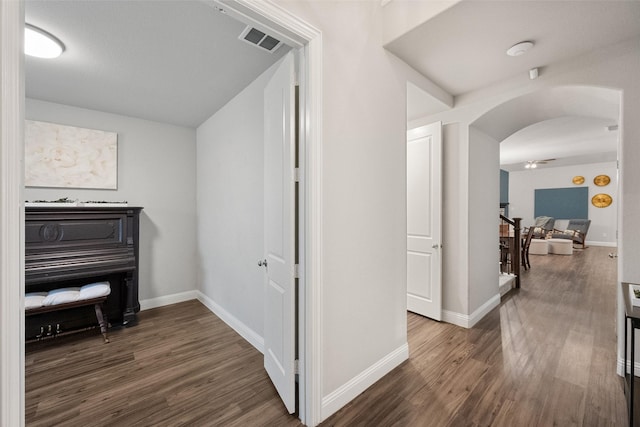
x=260, y=39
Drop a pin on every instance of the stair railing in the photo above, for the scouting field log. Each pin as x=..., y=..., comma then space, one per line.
x=510, y=235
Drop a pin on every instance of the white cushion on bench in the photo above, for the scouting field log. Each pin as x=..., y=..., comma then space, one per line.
x=66, y=295
x=95, y=290
x=34, y=299
x=62, y=296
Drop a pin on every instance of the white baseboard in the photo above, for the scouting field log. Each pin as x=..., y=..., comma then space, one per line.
x=349, y=391
x=150, y=303
x=455, y=318
x=593, y=243
x=243, y=330
x=467, y=321
x=620, y=367
x=506, y=283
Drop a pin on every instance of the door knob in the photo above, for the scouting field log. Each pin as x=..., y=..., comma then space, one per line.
x=262, y=262
x=435, y=246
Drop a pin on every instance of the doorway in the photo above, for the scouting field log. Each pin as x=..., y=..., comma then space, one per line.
x=471, y=162
x=568, y=142
x=305, y=38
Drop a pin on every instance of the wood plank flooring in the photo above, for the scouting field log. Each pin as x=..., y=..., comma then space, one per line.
x=180, y=366
x=546, y=356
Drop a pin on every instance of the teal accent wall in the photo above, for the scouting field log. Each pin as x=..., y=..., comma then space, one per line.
x=562, y=203
x=504, y=190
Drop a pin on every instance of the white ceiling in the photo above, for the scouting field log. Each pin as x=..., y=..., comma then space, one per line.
x=463, y=49
x=560, y=139
x=569, y=124
x=180, y=61
x=174, y=62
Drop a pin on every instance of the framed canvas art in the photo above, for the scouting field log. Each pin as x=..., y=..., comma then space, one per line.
x=72, y=157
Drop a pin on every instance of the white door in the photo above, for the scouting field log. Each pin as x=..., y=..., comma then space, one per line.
x=279, y=211
x=424, y=218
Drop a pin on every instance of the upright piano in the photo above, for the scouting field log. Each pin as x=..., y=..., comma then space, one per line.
x=74, y=246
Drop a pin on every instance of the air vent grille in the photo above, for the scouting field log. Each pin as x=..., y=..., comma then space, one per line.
x=260, y=39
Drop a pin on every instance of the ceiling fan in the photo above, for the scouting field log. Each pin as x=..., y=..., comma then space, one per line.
x=532, y=164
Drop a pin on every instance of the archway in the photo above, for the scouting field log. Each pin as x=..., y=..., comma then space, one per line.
x=574, y=126
x=560, y=108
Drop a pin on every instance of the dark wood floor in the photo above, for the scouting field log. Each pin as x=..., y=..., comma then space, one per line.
x=180, y=366
x=545, y=357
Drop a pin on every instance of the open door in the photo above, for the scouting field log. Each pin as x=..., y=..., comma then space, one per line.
x=424, y=220
x=279, y=222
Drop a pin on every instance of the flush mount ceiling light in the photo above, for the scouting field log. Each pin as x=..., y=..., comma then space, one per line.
x=41, y=44
x=519, y=48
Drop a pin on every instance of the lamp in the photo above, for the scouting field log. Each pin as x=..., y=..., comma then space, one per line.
x=531, y=164
x=40, y=43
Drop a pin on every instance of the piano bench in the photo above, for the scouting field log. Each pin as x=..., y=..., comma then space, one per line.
x=98, y=304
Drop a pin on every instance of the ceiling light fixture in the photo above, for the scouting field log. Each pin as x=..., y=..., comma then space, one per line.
x=519, y=48
x=532, y=164
x=41, y=44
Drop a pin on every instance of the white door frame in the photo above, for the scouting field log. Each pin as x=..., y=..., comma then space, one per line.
x=308, y=40
x=11, y=214
x=296, y=33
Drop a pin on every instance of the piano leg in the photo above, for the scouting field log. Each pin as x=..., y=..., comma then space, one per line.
x=129, y=314
x=102, y=321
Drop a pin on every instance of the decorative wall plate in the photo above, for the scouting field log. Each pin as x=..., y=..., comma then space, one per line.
x=601, y=180
x=577, y=180
x=601, y=200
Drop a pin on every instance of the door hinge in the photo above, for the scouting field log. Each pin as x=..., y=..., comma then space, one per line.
x=296, y=367
x=296, y=271
x=296, y=174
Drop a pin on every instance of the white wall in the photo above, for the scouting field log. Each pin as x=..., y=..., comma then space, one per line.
x=522, y=184
x=484, y=190
x=402, y=16
x=455, y=224
x=469, y=282
x=156, y=170
x=364, y=332
x=614, y=67
x=230, y=206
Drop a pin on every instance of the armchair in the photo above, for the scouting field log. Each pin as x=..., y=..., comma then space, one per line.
x=526, y=243
x=542, y=226
x=576, y=231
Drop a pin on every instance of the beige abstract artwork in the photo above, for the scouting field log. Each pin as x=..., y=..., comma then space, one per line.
x=67, y=156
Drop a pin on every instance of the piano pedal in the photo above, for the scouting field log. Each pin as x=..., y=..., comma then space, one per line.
x=41, y=334
x=49, y=330
x=58, y=330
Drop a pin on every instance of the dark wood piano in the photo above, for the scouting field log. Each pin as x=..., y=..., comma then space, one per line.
x=74, y=246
